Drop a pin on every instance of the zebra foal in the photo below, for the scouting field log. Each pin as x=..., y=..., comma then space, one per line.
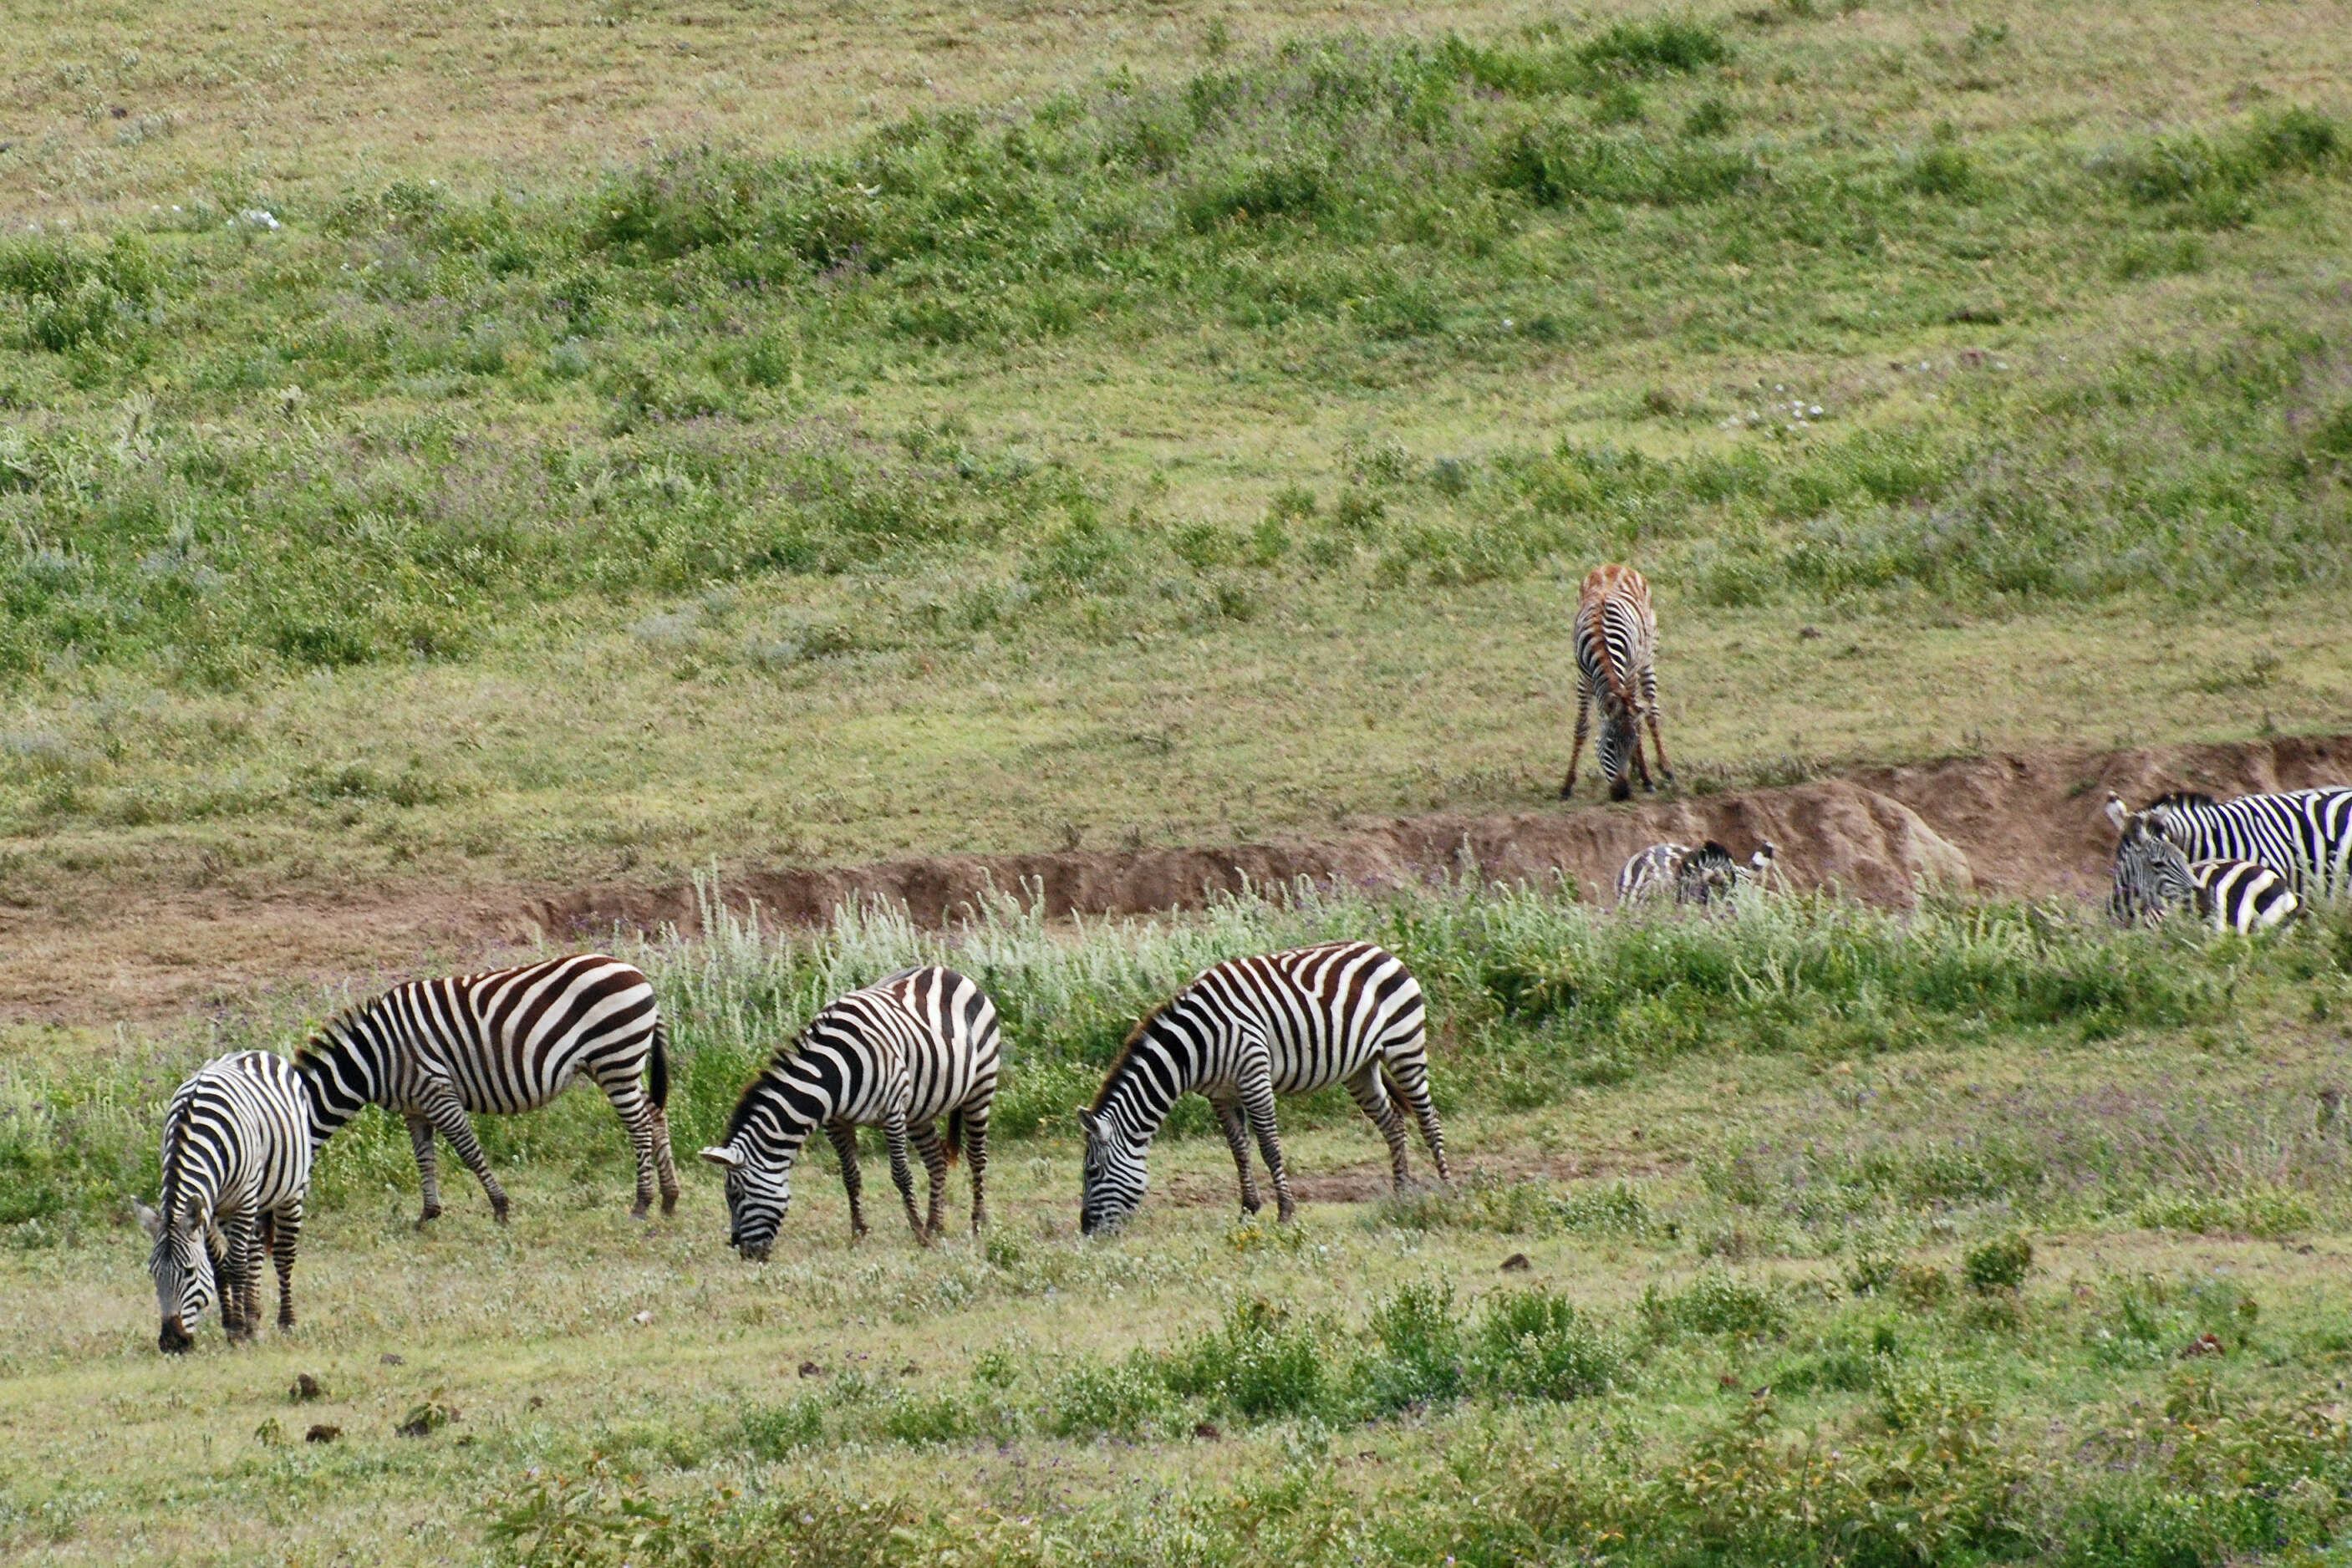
x=1246, y=1031
x=2153, y=876
x=1616, y=671
x=502, y=1042
x=1690, y=875
x=235, y=1167
x=903, y=1054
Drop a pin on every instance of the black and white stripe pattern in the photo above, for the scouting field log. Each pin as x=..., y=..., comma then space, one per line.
x=2305, y=835
x=501, y=1043
x=235, y=1165
x=2152, y=876
x=1616, y=671
x=1689, y=876
x=1247, y=1030
x=903, y=1054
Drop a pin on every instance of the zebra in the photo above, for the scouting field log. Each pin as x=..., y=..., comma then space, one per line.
x=1616, y=671
x=1251, y=1028
x=1693, y=876
x=235, y=1165
x=901, y=1054
x=2305, y=835
x=2152, y=875
x=501, y=1042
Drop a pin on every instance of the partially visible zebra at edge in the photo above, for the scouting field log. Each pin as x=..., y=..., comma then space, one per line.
x=1690, y=875
x=501, y=1043
x=2152, y=876
x=913, y=1051
x=2305, y=835
x=1616, y=671
x=236, y=1168
x=1246, y=1031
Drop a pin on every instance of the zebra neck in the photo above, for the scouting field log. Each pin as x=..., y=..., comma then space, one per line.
x=339, y=1077
x=1155, y=1073
x=778, y=1123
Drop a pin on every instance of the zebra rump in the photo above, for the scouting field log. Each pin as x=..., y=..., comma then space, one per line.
x=235, y=1167
x=911, y=1051
x=1249, y=1029
x=499, y=1043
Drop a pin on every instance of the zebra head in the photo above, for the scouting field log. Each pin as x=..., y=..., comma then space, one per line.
x=2151, y=874
x=183, y=1262
x=1114, y=1183
x=1620, y=742
x=759, y=1191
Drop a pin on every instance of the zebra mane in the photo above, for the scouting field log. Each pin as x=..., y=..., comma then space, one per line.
x=1127, y=1051
x=2181, y=797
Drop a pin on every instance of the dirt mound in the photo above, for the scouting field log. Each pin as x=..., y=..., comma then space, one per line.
x=2000, y=823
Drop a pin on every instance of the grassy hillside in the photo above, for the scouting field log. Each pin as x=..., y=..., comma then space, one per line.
x=1206, y=447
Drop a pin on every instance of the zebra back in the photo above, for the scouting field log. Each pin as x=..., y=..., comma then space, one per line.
x=1615, y=632
x=505, y=1041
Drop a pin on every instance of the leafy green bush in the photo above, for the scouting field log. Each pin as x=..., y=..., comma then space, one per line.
x=1533, y=1344
x=1717, y=1302
x=1999, y=1264
x=1260, y=1363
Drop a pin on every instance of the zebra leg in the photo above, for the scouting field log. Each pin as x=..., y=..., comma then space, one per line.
x=449, y=1116
x=232, y=1272
x=1228, y=1108
x=975, y=1151
x=1409, y=1075
x=664, y=1166
x=902, y=1174
x=428, y=1177
x=637, y=1112
x=1257, y=1100
x=285, y=1233
x=1583, y=728
x=844, y=1147
x=935, y=1165
x=1372, y=1098
x=1650, y=714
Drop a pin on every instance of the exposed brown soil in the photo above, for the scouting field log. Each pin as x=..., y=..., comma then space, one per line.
x=1999, y=822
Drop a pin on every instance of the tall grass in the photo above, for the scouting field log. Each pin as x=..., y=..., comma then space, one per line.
x=1531, y=994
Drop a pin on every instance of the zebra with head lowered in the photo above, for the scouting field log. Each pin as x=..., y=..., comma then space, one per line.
x=2152, y=876
x=2304, y=834
x=903, y=1054
x=499, y=1043
x=1617, y=671
x=1689, y=876
x=235, y=1167
x=1246, y=1031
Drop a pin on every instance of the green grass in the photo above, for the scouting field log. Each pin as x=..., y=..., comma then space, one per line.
x=763, y=437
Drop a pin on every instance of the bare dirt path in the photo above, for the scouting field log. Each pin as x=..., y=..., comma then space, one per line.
x=1999, y=822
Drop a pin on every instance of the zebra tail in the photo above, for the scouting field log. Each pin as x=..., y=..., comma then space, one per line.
x=954, y=1139
x=657, y=1070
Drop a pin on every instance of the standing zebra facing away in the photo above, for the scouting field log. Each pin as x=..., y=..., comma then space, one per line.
x=2153, y=877
x=2304, y=834
x=235, y=1165
x=499, y=1043
x=1246, y=1031
x=1616, y=671
x=1699, y=876
x=904, y=1053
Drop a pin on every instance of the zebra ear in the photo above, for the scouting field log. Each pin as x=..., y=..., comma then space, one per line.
x=724, y=1154
x=149, y=1220
x=2117, y=812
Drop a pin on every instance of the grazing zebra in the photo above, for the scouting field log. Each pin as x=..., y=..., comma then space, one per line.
x=235, y=1165
x=1616, y=671
x=2305, y=835
x=1249, y=1029
x=901, y=1054
x=502, y=1042
x=2153, y=877
x=1693, y=876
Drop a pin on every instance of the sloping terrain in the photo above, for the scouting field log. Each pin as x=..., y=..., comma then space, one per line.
x=2000, y=822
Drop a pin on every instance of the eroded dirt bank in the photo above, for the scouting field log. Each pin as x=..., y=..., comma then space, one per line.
x=2010, y=823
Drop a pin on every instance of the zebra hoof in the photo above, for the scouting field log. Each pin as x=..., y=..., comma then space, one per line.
x=498, y=1212
x=669, y=1204
x=1621, y=791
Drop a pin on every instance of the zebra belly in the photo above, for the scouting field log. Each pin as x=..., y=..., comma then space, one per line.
x=943, y=1094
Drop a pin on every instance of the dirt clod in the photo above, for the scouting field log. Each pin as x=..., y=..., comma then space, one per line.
x=1207, y=1431
x=322, y=1432
x=1516, y=1263
x=306, y=1388
x=810, y=1369
x=389, y=1359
